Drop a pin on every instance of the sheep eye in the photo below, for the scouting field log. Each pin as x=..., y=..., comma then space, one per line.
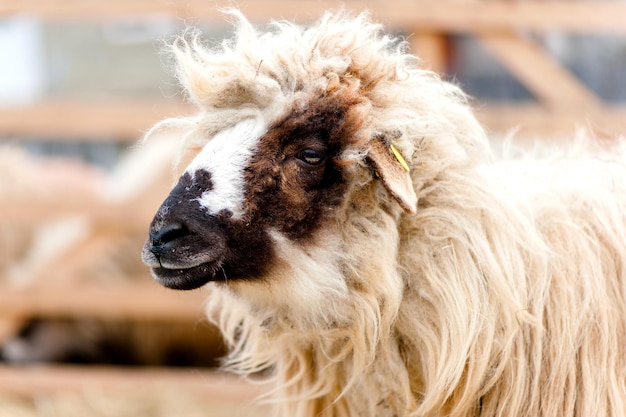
x=312, y=157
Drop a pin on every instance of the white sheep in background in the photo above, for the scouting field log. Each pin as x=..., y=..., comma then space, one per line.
x=466, y=287
x=35, y=252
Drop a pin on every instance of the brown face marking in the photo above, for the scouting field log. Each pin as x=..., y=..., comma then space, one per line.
x=295, y=180
x=293, y=183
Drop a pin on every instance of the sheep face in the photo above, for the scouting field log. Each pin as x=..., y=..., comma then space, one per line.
x=257, y=186
x=252, y=185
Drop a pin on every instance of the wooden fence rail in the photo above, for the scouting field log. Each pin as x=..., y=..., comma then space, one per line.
x=117, y=380
x=603, y=16
x=71, y=120
x=119, y=301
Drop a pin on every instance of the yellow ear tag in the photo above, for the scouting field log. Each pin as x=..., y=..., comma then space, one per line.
x=400, y=159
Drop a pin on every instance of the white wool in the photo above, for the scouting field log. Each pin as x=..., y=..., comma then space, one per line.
x=225, y=157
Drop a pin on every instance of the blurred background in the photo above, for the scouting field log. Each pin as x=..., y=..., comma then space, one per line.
x=83, y=329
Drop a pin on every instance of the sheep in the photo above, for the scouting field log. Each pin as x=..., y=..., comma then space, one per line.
x=366, y=249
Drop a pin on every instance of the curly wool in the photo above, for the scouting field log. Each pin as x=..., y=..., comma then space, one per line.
x=502, y=296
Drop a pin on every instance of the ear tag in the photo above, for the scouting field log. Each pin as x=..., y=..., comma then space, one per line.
x=391, y=168
x=400, y=158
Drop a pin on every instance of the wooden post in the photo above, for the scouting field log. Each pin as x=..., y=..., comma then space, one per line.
x=552, y=84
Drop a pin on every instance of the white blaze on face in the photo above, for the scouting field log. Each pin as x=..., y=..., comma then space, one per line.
x=225, y=157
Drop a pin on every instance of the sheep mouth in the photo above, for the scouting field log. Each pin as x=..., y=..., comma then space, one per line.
x=187, y=278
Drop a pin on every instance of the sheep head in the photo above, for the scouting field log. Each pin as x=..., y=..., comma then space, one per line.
x=255, y=184
x=294, y=178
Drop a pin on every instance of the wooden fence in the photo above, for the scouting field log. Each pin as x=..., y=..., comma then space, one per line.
x=561, y=101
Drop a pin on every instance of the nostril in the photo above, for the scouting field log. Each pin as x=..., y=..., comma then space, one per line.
x=167, y=233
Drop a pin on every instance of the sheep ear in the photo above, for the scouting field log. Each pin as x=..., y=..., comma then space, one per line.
x=393, y=170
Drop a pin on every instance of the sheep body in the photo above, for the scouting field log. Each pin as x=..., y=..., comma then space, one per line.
x=501, y=292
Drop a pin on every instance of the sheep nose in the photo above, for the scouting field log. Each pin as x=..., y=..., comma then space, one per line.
x=161, y=237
